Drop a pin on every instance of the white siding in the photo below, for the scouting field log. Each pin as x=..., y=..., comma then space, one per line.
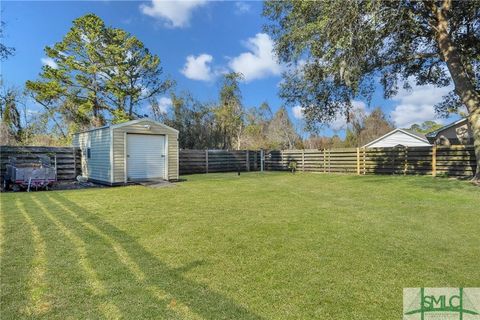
x=97, y=167
x=146, y=156
x=398, y=138
x=119, y=143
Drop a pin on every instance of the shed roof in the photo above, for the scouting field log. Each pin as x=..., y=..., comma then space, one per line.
x=411, y=133
x=124, y=124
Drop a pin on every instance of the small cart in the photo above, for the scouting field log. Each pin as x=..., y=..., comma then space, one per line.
x=33, y=172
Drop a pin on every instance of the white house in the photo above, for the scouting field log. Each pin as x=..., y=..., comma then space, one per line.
x=399, y=137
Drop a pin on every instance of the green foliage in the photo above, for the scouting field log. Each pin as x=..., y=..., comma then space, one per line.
x=10, y=118
x=101, y=75
x=281, y=131
x=202, y=126
x=195, y=122
x=426, y=127
x=292, y=166
x=337, y=51
x=256, y=127
x=229, y=113
x=364, y=128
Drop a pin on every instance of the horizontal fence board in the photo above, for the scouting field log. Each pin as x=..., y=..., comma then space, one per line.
x=203, y=161
x=68, y=159
x=454, y=160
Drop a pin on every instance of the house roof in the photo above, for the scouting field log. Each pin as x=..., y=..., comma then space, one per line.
x=433, y=134
x=413, y=134
x=123, y=124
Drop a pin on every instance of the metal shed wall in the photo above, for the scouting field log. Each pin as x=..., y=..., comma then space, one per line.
x=97, y=167
x=138, y=127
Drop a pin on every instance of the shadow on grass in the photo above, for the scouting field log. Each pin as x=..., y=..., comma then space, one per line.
x=97, y=270
x=15, y=264
x=434, y=183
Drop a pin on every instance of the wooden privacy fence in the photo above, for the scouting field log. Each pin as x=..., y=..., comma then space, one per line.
x=68, y=159
x=456, y=161
x=205, y=161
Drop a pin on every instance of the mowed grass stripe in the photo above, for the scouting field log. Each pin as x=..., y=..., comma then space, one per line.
x=163, y=297
x=38, y=302
x=254, y=246
x=109, y=309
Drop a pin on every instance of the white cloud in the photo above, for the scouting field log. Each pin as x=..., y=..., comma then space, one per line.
x=49, y=62
x=417, y=105
x=259, y=62
x=298, y=112
x=242, y=7
x=176, y=14
x=198, y=68
x=340, y=122
x=164, y=104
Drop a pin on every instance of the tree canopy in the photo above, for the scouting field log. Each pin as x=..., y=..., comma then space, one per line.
x=426, y=126
x=364, y=128
x=338, y=52
x=5, y=51
x=98, y=75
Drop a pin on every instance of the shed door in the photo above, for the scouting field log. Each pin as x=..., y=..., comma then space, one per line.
x=145, y=156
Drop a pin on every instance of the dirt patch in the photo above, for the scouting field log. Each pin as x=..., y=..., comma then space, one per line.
x=60, y=185
x=72, y=185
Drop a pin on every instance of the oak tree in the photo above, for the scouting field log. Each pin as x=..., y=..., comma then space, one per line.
x=339, y=51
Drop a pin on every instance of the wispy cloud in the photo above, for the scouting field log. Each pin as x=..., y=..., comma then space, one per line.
x=417, y=105
x=198, y=68
x=242, y=7
x=174, y=14
x=164, y=103
x=297, y=112
x=259, y=62
x=49, y=62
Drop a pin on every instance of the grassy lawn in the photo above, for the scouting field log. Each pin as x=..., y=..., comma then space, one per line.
x=219, y=246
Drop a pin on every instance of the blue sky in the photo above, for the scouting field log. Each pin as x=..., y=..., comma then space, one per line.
x=196, y=41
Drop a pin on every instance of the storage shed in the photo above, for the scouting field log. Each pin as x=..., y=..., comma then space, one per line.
x=399, y=137
x=138, y=150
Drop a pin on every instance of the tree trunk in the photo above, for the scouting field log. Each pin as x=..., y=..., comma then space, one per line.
x=464, y=85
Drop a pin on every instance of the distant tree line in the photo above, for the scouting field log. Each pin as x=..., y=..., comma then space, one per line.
x=100, y=75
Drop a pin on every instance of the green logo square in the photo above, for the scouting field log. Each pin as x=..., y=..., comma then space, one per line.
x=441, y=303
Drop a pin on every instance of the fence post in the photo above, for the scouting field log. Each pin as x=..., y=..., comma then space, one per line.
x=434, y=161
x=281, y=160
x=358, y=161
x=329, y=161
x=364, y=161
x=247, y=153
x=74, y=162
x=206, y=161
x=303, y=160
x=324, y=161
x=262, y=159
x=405, y=164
